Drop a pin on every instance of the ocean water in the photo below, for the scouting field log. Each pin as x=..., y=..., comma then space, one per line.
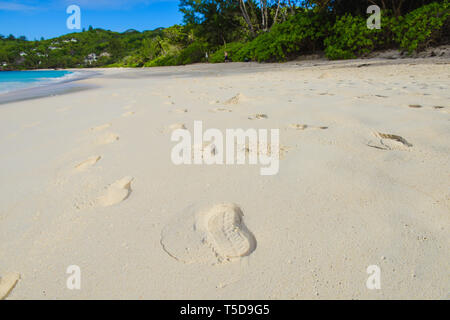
x=16, y=80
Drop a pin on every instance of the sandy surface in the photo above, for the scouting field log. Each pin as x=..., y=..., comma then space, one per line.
x=86, y=179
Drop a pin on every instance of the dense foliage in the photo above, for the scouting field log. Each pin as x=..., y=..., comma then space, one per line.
x=231, y=48
x=266, y=30
x=93, y=48
x=350, y=37
x=424, y=27
x=303, y=33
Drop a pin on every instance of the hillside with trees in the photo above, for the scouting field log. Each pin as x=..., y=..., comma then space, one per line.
x=249, y=30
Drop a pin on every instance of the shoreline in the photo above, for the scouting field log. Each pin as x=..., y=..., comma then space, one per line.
x=309, y=61
x=58, y=86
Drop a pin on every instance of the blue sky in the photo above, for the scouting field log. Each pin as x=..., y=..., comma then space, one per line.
x=47, y=18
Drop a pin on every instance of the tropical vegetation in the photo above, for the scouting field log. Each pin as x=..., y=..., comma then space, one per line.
x=248, y=30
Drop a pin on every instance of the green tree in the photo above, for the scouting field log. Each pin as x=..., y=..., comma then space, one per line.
x=151, y=48
x=214, y=20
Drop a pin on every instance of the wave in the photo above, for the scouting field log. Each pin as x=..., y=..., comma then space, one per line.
x=28, y=83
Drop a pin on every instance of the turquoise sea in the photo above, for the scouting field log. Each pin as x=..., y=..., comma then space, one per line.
x=16, y=80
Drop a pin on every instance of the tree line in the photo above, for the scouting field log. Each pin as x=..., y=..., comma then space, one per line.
x=259, y=30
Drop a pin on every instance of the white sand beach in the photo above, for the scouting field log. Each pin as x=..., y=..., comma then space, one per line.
x=87, y=179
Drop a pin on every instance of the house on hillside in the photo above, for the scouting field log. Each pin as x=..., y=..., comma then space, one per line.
x=91, y=58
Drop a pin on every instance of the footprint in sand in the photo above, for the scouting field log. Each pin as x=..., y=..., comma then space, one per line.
x=415, y=106
x=221, y=110
x=87, y=163
x=7, y=284
x=176, y=126
x=442, y=109
x=101, y=127
x=206, y=149
x=129, y=113
x=214, y=235
x=236, y=99
x=180, y=110
x=297, y=126
x=108, y=138
x=282, y=150
x=387, y=141
x=258, y=117
x=116, y=192
x=325, y=75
